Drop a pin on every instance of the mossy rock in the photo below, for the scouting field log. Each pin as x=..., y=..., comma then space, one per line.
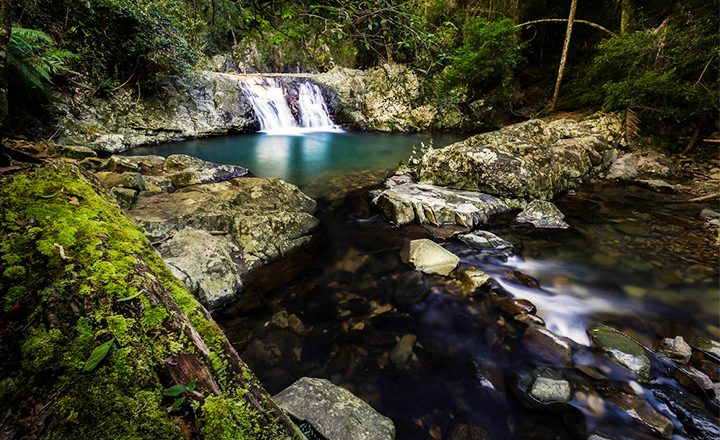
x=77, y=274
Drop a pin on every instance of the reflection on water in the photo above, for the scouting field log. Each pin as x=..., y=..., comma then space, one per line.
x=304, y=155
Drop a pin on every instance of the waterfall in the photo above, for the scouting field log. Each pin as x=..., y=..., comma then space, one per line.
x=269, y=98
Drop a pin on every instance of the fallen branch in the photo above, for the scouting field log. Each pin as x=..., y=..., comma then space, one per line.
x=218, y=232
x=560, y=20
x=62, y=251
x=707, y=197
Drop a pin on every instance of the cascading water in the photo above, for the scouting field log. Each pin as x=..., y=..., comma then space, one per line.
x=270, y=103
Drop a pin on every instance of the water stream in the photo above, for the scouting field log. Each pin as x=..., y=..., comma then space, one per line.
x=630, y=260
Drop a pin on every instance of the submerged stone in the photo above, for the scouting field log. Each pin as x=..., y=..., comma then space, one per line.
x=690, y=411
x=676, y=349
x=412, y=288
x=547, y=345
x=542, y=214
x=402, y=351
x=621, y=349
x=644, y=413
x=333, y=411
x=551, y=390
x=482, y=243
x=429, y=257
x=468, y=432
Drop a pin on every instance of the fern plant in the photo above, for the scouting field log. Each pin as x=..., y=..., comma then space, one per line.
x=33, y=59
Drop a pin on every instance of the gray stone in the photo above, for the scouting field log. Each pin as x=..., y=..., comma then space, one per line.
x=75, y=151
x=125, y=180
x=403, y=350
x=676, y=349
x=546, y=344
x=429, y=257
x=207, y=265
x=622, y=349
x=655, y=185
x=333, y=411
x=630, y=165
x=708, y=214
x=533, y=159
x=693, y=379
x=542, y=215
x=124, y=197
x=187, y=170
x=473, y=279
x=419, y=203
x=142, y=164
x=551, y=390
x=482, y=243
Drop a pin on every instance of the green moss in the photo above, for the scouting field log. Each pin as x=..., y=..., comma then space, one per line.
x=153, y=316
x=224, y=419
x=119, y=326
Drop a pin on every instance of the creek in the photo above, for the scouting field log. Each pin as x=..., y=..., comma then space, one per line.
x=630, y=260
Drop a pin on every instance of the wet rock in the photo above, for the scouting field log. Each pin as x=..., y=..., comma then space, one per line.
x=542, y=215
x=125, y=180
x=412, y=288
x=711, y=369
x=190, y=170
x=489, y=381
x=516, y=306
x=676, y=349
x=693, y=379
x=473, y=279
x=295, y=323
x=621, y=349
x=482, y=243
x=706, y=345
x=428, y=204
x=468, y=432
x=533, y=159
x=642, y=412
x=124, y=197
x=280, y=319
x=333, y=411
x=403, y=350
x=530, y=320
x=207, y=265
x=551, y=388
x=521, y=279
x=656, y=185
x=697, y=422
x=547, y=345
x=429, y=257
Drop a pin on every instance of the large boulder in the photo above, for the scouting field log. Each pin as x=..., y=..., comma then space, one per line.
x=420, y=203
x=209, y=104
x=533, y=159
x=334, y=412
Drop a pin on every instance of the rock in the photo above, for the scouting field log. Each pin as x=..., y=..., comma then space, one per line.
x=419, y=203
x=706, y=345
x=530, y=320
x=280, y=319
x=207, y=265
x=621, y=349
x=482, y=243
x=533, y=159
x=676, y=349
x=655, y=185
x=693, y=379
x=709, y=214
x=193, y=171
x=403, y=350
x=429, y=257
x=474, y=279
x=349, y=87
x=551, y=389
x=468, y=432
x=211, y=104
x=641, y=411
x=134, y=164
x=264, y=218
x=412, y=288
x=125, y=180
x=124, y=197
x=630, y=165
x=334, y=412
x=516, y=306
x=521, y=279
x=78, y=152
x=542, y=215
x=546, y=344
x=698, y=423
x=489, y=381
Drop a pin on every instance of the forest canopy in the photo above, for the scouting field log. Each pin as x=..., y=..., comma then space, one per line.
x=659, y=57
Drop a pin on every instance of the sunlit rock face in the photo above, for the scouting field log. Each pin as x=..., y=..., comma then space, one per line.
x=533, y=159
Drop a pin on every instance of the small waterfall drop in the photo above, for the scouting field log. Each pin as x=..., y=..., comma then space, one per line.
x=269, y=100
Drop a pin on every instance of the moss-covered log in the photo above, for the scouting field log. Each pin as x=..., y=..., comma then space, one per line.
x=76, y=273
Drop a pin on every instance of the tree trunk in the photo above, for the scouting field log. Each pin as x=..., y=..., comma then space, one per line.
x=563, y=59
x=625, y=15
x=515, y=11
x=5, y=33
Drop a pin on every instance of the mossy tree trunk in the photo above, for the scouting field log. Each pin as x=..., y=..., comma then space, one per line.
x=5, y=34
x=76, y=274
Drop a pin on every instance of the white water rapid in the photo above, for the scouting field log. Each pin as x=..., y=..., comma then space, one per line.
x=272, y=111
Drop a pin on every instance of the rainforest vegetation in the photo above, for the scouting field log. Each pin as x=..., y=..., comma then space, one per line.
x=655, y=58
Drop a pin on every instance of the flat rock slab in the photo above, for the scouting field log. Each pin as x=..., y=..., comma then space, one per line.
x=544, y=215
x=429, y=204
x=622, y=349
x=429, y=257
x=333, y=411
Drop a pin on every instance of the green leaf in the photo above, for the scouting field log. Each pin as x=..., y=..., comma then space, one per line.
x=128, y=298
x=177, y=402
x=191, y=386
x=98, y=355
x=175, y=390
